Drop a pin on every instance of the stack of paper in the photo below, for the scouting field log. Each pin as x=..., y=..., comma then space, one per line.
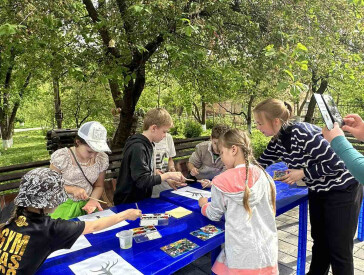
x=179, y=212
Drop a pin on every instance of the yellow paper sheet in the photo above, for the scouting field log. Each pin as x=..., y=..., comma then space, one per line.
x=179, y=212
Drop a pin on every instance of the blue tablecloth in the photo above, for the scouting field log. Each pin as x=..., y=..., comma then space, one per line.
x=147, y=257
x=288, y=197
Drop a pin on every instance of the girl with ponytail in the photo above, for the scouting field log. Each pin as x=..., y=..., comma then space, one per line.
x=334, y=194
x=246, y=195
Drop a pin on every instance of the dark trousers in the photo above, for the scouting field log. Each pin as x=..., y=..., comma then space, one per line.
x=334, y=219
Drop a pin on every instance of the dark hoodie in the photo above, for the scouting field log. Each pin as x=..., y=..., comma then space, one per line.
x=136, y=178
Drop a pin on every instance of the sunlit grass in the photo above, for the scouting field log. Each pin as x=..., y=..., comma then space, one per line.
x=28, y=146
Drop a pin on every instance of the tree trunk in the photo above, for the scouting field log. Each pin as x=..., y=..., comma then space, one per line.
x=249, y=113
x=320, y=90
x=300, y=108
x=203, y=116
x=57, y=103
x=128, y=99
x=127, y=104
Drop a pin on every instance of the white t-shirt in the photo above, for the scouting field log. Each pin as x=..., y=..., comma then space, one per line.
x=164, y=150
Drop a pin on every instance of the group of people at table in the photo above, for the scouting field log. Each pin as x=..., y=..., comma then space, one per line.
x=241, y=190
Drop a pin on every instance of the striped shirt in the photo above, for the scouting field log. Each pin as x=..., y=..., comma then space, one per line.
x=301, y=146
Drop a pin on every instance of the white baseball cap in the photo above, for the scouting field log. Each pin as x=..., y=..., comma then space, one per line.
x=95, y=136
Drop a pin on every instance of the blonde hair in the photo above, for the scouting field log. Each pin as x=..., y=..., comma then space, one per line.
x=272, y=108
x=241, y=139
x=157, y=116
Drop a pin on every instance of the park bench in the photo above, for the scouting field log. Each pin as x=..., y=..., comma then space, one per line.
x=10, y=175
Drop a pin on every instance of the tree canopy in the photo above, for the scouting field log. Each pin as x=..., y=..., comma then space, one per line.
x=85, y=57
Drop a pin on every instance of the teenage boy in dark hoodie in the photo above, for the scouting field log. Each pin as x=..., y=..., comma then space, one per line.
x=137, y=177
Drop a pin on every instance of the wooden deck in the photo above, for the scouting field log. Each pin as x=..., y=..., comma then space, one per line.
x=287, y=225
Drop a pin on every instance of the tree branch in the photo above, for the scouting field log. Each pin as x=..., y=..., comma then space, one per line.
x=233, y=113
x=104, y=33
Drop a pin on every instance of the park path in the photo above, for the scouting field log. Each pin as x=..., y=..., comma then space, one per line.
x=27, y=129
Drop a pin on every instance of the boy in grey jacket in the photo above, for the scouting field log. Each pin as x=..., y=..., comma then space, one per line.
x=205, y=162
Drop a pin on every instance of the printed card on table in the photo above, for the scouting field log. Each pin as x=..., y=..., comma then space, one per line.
x=101, y=214
x=207, y=232
x=179, y=247
x=278, y=174
x=105, y=263
x=192, y=193
x=145, y=233
x=154, y=219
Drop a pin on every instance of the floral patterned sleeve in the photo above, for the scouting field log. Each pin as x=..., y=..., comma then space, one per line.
x=61, y=159
x=103, y=161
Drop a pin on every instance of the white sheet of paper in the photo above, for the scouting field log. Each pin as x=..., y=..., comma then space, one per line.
x=148, y=222
x=102, y=214
x=81, y=243
x=153, y=235
x=105, y=263
x=192, y=193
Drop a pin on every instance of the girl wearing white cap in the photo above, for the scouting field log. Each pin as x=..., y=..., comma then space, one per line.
x=83, y=169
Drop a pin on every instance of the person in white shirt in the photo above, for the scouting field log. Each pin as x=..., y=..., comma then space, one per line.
x=164, y=151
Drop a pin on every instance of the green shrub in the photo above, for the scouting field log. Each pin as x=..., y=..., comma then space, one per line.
x=192, y=129
x=178, y=127
x=259, y=142
x=209, y=124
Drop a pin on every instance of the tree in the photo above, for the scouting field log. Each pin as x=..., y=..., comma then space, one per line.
x=16, y=64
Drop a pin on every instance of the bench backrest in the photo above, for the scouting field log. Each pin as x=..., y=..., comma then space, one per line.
x=10, y=175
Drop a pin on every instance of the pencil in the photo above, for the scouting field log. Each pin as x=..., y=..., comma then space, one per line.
x=97, y=200
x=136, y=204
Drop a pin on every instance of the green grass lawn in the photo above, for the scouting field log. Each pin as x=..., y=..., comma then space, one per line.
x=28, y=146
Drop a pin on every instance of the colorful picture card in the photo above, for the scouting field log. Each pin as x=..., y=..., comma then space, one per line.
x=179, y=247
x=278, y=174
x=207, y=232
x=145, y=233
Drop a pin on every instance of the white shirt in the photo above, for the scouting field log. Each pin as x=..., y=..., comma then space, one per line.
x=164, y=150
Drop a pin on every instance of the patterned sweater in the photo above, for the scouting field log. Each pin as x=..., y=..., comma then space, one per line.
x=301, y=145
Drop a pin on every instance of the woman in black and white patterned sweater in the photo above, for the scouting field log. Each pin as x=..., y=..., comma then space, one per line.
x=334, y=195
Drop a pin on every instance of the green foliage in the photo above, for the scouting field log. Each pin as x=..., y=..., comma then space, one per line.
x=209, y=124
x=259, y=142
x=178, y=126
x=192, y=129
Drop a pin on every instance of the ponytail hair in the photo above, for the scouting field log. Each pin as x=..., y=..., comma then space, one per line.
x=241, y=139
x=274, y=108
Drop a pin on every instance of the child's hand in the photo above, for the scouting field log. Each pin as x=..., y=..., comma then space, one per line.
x=329, y=135
x=159, y=172
x=132, y=214
x=202, y=201
x=175, y=184
x=194, y=172
x=205, y=183
x=91, y=206
x=79, y=193
x=293, y=175
x=355, y=125
x=177, y=176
